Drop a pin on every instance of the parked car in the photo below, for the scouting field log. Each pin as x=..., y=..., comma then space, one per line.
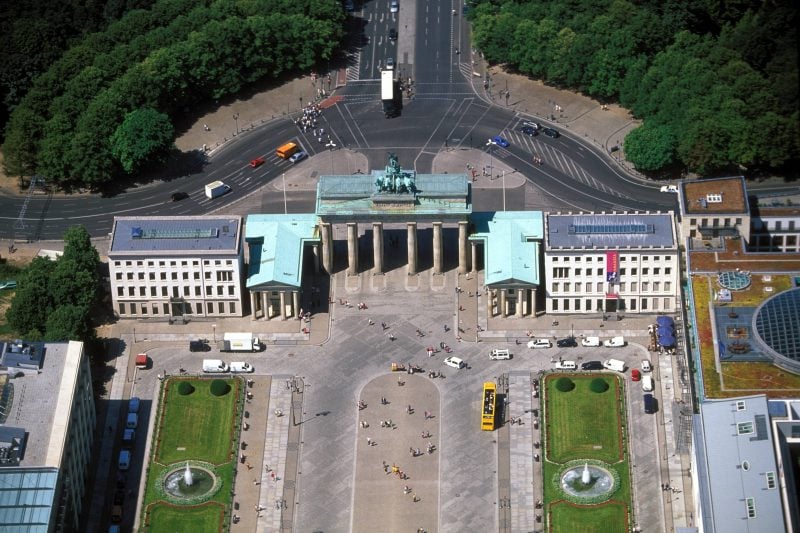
x=257, y=162
x=614, y=364
x=568, y=342
x=133, y=404
x=298, y=156
x=636, y=375
x=650, y=404
x=669, y=188
x=592, y=365
x=178, y=196
x=455, y=362
x=534, y=125
x=128, y=438
x=590, y=341
x=124, y=462
x=394, y=7
x=614, y=342
x=540, y=343
x=647, y=383
x=499, y=141
x=199, y=345
x=646, y=367
x=566, y=365
x=116, y=514
x=551, y=132
x=530, y=131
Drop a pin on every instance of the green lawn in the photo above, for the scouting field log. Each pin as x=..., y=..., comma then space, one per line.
x=197, y=426
x=205, y=518
x=581, y=423
x=570, y=518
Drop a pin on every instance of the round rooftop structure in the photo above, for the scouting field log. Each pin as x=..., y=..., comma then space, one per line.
x=776, y=323
x=734, y=280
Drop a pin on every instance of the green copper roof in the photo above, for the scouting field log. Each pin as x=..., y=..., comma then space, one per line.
x=512, y=246
x=276, y=244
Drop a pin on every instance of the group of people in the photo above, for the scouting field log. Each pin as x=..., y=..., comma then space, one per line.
x=308, y=118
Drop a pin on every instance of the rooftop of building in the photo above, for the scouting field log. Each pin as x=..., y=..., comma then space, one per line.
x=512, y=245
x=736, y=450
x=208, y=234
x=35, y=400
x=715, y=196
x=609, y=230
x=276, y=245
x=733, y=255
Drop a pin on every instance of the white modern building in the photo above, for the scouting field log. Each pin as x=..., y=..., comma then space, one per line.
x=611, y=263
x=177, y=267
x=47, y=421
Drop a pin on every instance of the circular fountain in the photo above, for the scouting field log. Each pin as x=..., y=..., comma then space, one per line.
x=190, y=484
x=588, y=483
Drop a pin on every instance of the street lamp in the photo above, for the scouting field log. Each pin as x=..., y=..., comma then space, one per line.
x=301, y=103
x=491, y=144
x=214, y=328
x=236, y=121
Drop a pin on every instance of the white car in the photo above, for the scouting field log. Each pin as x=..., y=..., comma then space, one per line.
x=669, y=188
x=614, y=342
x=540, y=343
x=646, y=367
x=455, y=362
x=394, y=7
x=566, y=365
x=590, y=341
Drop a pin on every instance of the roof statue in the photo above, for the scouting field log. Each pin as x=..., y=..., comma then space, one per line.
x=394, y=179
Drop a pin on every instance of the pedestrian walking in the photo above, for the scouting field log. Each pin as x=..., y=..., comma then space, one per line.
x=369, y=441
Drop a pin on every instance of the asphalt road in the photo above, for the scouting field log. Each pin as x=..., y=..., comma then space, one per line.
x=447, y=110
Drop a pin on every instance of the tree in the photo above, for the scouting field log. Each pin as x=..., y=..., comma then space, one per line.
x=219, y=388
x=145, y=135
x=565, y=384
x=650, y=147
x=69, y=322
x=598, y=385
x=78, y=247
x=31, y=303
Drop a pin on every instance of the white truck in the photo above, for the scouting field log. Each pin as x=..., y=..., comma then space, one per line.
x=216, y=189
x=239, y=342
x=389, y=94
x=214, y=366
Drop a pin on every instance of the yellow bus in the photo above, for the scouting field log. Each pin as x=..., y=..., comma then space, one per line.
x=487, y=413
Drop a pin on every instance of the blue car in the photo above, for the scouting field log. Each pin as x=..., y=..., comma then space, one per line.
x=499, y=141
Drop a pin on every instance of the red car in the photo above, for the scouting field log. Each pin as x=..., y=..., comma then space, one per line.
x=257, y=162
x=636, y=375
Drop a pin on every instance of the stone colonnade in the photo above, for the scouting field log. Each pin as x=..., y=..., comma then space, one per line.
x=282, y=304
x=326, y=233
x=518, y=302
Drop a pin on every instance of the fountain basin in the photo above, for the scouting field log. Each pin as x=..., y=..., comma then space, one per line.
x=584, y=482
x=189, y=483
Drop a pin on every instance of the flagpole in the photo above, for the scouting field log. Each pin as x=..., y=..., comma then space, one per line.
x=285, y=210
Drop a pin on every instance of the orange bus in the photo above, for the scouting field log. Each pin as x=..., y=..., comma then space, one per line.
x=488, y=409
x=286, y=151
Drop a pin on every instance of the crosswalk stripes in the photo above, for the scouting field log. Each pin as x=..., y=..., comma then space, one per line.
x=354, y=66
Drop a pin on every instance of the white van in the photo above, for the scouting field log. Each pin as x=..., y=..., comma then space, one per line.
x=499, y=355
x=590, y=341
x=216, y=366
x=614, y=364
x=241, y=367
x=566, y=365
x=647, y=383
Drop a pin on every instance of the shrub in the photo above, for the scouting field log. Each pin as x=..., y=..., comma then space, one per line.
x=219, y=388
x=598, y=385
x=565, y=384
x=185, y=388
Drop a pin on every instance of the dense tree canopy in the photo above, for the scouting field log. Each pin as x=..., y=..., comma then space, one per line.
x=54, y=299
x=75, y=125
x=716, y=83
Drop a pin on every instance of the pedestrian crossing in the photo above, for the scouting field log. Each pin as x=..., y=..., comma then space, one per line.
x=553, y=157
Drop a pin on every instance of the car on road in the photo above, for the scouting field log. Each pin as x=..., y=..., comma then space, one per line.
x=455, y=362
x=534, y=125
x=298, y=156
x=394, y=7
x=646, y=366
x=178, y=196
x=257, y=162
x=128, y=438
x=119, y=497
x=133, y=404
x=650, y=404
x=647, y=383
x=499, y=141
x=389, y=63
x=392, y=34
x=349, y=6
x=499, y=355
x=540, y=343
x=669, y=188
x=592, y=365
x=614, y=342
x=568, y=342
x=529, y=130
x=124, y=462
x=614, y=364
x=551, y=132
x=636, y=375
x=566, y=365
x=116, y=514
